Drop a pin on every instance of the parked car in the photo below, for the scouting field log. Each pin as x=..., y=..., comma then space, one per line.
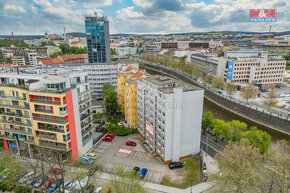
x=47, y=183
x=33, y=179
x=39, y=182
x=282, y=106
x=25, y=177
x=143, y=173
x=98, y=190
x=107, y=139
x=136, y=170
x=175, y=165
x=55, y=185
x=111, y=135
x=86, y=160
x=56, y=171
x=130, y=143
x=92, y=155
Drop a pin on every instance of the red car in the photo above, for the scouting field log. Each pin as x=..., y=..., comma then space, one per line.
x=130, y=143
x=56, y=171
x=107, y=138
x=111, y=135
x=47, y=183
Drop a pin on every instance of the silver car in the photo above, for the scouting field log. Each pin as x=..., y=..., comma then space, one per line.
x=32, y=179
x=25, y=177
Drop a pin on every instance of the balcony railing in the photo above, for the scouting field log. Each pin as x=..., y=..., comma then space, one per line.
x=16, y=131
x=86, y=131
x=47, y=137
x=14, y=106
x=84, y=125
x=53, y=146
x=59, y=121
x=85, y=108
x=86, y=116
x=85, y=100
x=44, y=111
x=12, y=98
x=7, y=137
x=85, y=141
x=18, y=123
x=21, y=115
x=54, y=129
x=45, y=102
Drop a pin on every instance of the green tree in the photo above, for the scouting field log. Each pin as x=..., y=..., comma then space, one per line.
x=236, y=128
x=221, y=128
x=206, y=120
x=110, y=96
x=209, y=79
x=8, y=60
x=113, y=52
x=248, y=92
x=218, y=83
x=230, y=88
x=196, y=72
x=271, y=100
x=238, y=168
x=49, y=43
x=126, y=182
x=258, y=138
x=10, y=168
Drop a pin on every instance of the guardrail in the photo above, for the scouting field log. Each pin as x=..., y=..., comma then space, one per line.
x=253, y=113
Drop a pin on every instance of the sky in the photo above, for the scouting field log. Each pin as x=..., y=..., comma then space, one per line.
x=36, y=17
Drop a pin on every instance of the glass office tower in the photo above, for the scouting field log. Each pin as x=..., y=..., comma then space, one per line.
x=98, y=39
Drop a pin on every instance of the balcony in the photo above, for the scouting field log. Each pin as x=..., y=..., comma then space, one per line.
x=16, y=131
x=14, y=106
x=57, y=121
x=50, y=137
x=50, y=128
x=85, y=141
x=8, y=137
x=44, y=111
x=85, y=100
x=54, y=146
x=85, y=108
x=84, y=92
x=17, y=123
x=84, y=125
x=86, y=131
x=19, y=115
x=12, y=98
x=45, y=102
x=84, y=116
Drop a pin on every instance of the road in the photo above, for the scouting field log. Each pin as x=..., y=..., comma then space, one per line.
x=213, y=147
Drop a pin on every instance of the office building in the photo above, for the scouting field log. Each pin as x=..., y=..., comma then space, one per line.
x=169, y=117
x=98, y=39
x=48, y=108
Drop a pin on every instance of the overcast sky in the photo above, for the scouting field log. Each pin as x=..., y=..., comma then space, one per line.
x=139, y=16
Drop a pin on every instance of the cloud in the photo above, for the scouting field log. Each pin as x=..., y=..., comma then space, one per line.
x=15, y=8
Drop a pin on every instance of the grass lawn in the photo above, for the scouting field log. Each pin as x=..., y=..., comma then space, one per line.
x=191, y=170
x=118, y=129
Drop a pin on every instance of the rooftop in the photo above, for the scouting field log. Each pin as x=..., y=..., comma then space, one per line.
x=73, y=57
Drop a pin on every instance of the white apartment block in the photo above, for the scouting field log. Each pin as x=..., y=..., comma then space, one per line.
x=169, y=117
x=265, y=71
x=18, y=60
x=99, y=74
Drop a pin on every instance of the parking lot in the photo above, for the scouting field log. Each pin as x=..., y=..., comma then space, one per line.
x=138, y=156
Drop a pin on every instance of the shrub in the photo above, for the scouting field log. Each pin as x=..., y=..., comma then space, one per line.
x=22, y=189
x=5, y=186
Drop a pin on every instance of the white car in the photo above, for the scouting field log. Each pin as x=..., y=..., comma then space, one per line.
x=92, y=155
x=25, y=177
x=98, y=190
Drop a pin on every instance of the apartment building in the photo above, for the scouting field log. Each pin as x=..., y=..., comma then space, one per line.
x=267, y=72
x=18, y=60
x=48, y=108
x=127, y=93
x=169, y=117
x=99, y=74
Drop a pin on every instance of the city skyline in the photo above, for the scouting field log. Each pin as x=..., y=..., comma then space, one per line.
x=138, y=16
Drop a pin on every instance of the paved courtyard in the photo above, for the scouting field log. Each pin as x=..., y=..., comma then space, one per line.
x=139, y=157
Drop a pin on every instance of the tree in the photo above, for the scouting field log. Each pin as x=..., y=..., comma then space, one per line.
x=230, y=88
x=206, y=120
x=271, y=100
x=236, y=128
x=279, y=165
x=196, y=72
x=238, y=168
x=10, y=168
x=258, y=138
x=8, y=60
x=113, y=52
x=126, y=181
x=218, y=83
x=110, y=97
x=248, y=92
x=221, y=128
x=47, y=43
x=209, y=79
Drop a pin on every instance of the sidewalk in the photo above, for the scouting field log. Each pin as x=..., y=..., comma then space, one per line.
x=211, y=165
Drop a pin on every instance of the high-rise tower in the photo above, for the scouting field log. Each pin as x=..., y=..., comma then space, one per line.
x=98, y=39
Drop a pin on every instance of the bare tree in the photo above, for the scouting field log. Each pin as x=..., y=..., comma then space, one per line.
x=248, y=92
x=271, y=100
x=230, y=88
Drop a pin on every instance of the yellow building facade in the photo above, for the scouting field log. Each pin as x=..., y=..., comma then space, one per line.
x=127, y=94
